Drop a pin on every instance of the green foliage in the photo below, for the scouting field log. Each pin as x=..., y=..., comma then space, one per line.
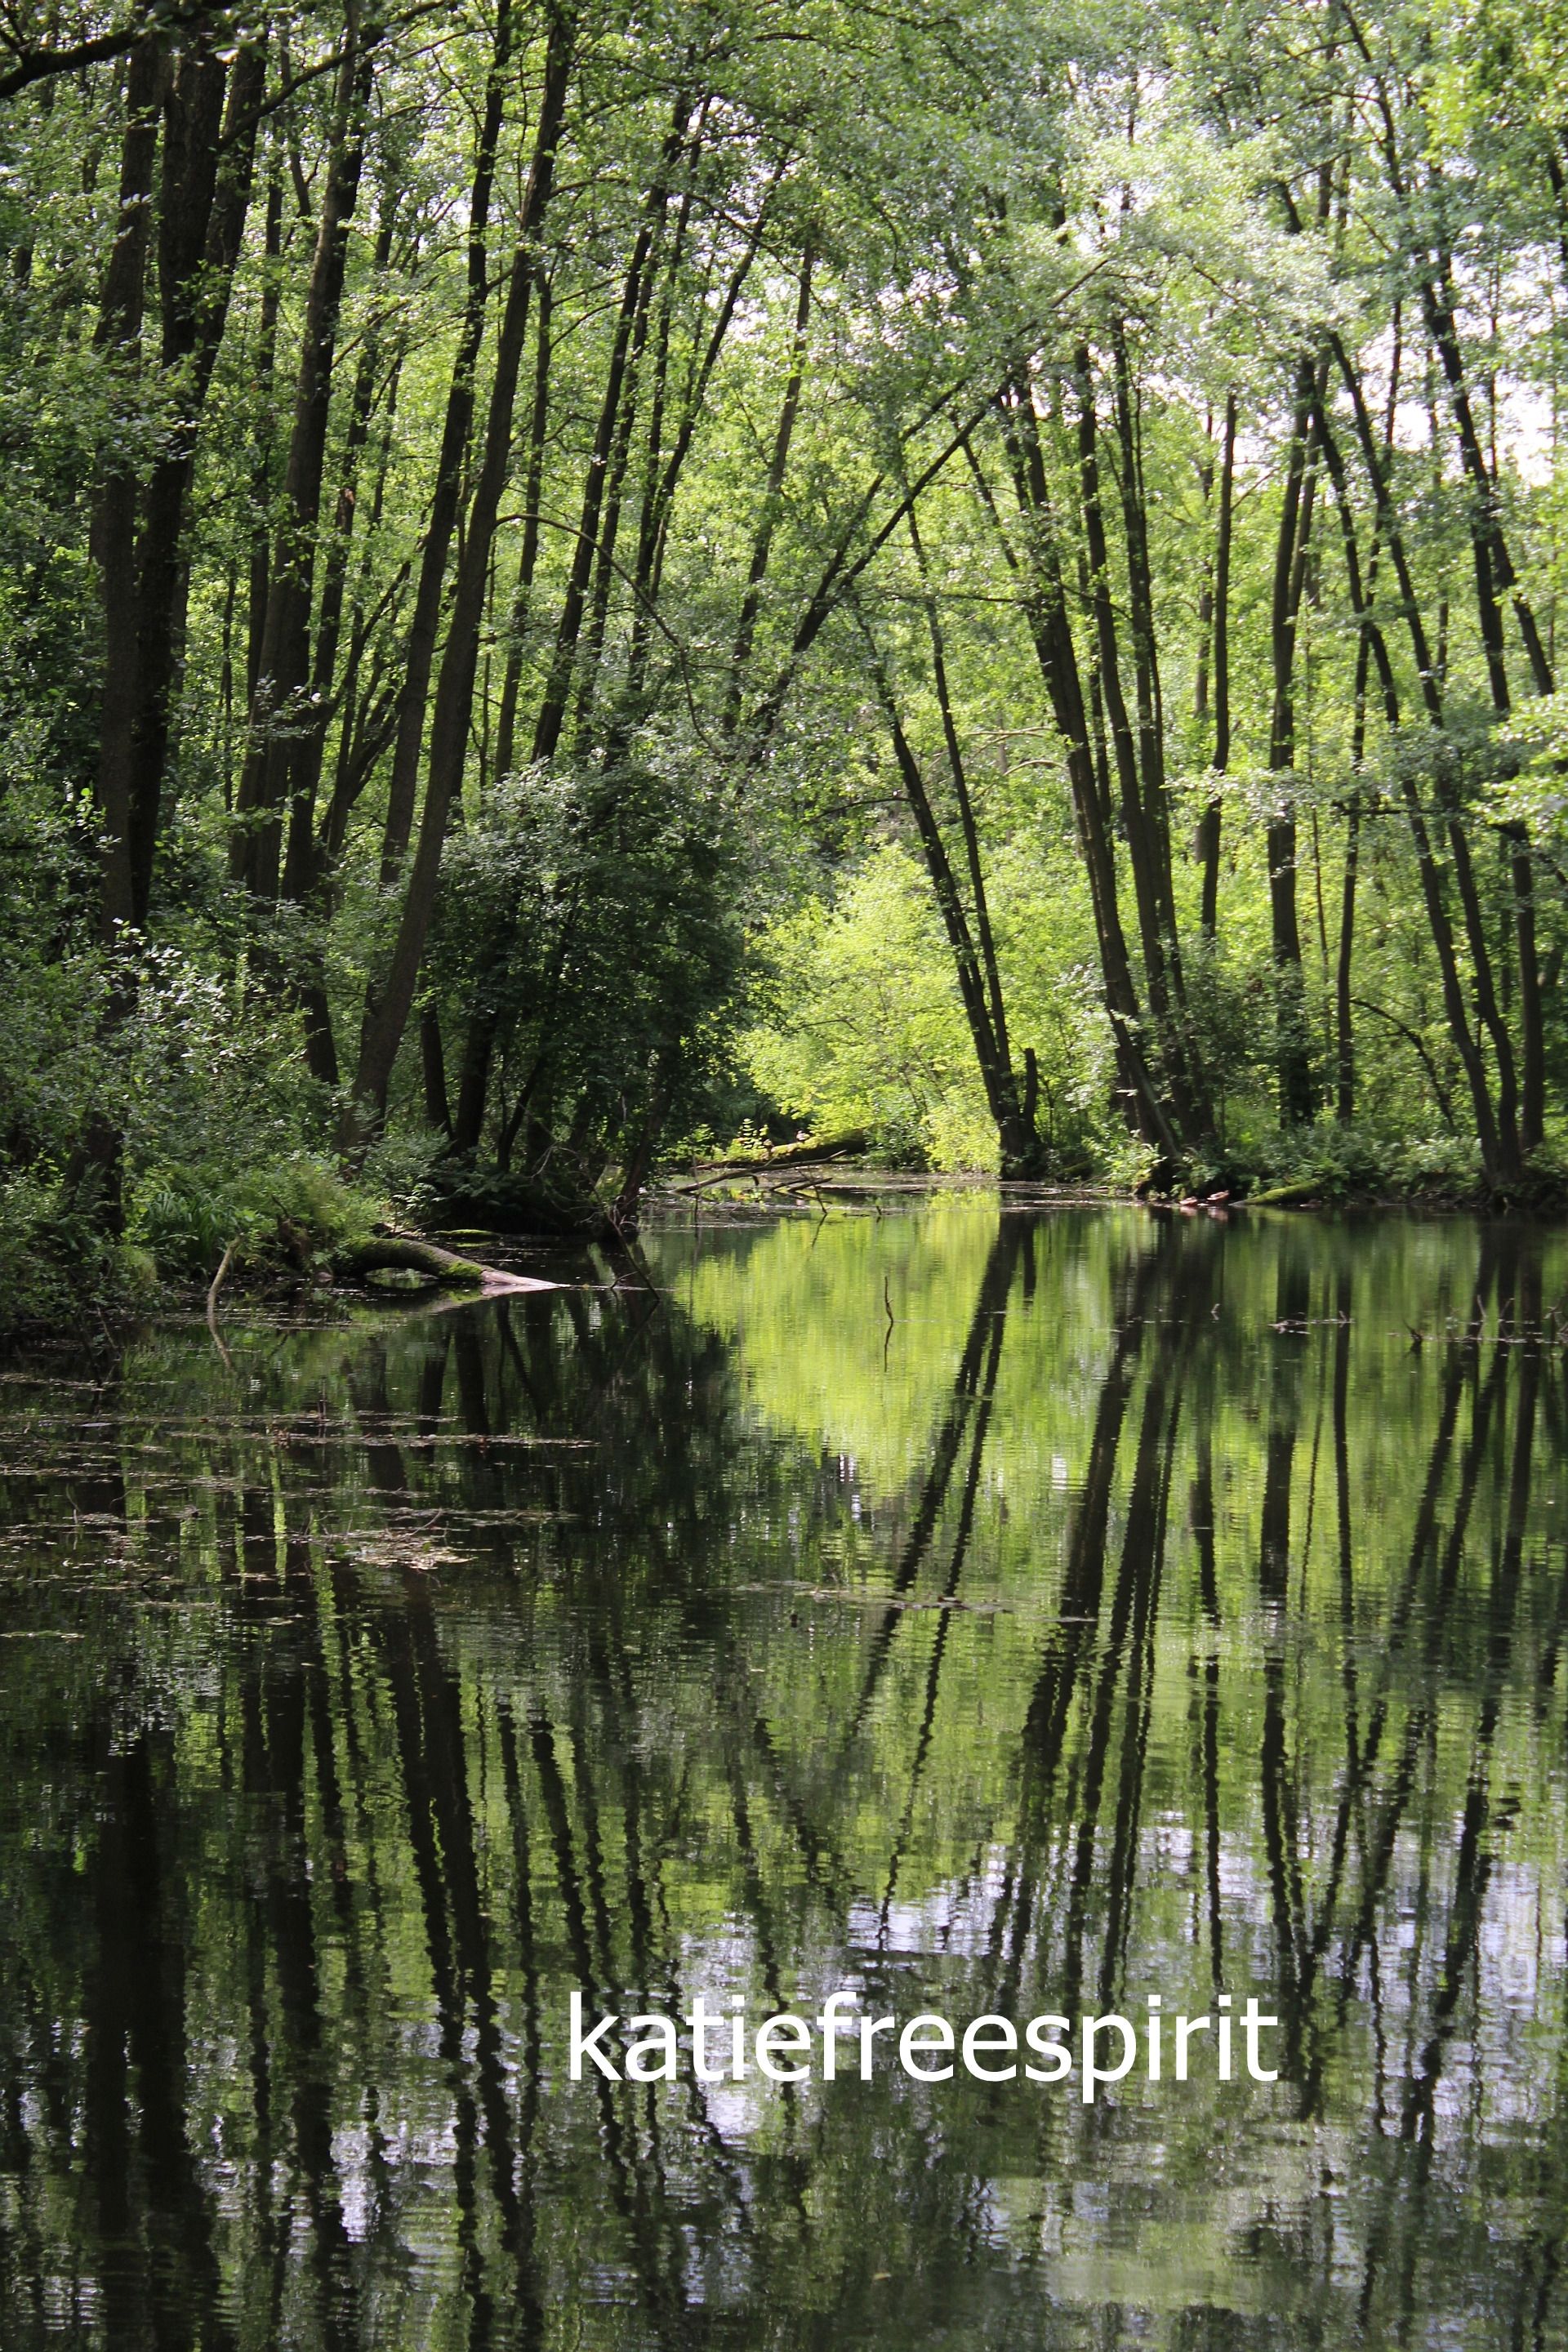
x=869, y=1032
x=866, y=1029
x=289, y=1214
x=809, y=706
x=55, y=1260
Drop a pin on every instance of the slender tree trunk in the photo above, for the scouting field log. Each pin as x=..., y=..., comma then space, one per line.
x=1361, y=596
x=1209, y=823
x=457, y=431
x=202, y=215
x=528, y=558
x=1507, y=1134
x=265, y=369
x=705, y=355
x=301, y=863
x=118, y=337
x=388, y=1015
x=121, y=311
x=473, y=1086
x=1045, y=609
x=552, y=715
x=1140, y=824
x=997, y=1075
x=265, y=788
x=1298, y=1094
x=1020, y=1151
x=767, y=522
x=1499, y=1143
x=591, y=651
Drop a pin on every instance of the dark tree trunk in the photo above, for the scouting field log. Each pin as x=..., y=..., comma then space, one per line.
x=528, y=558
x=473, y=1087
x=387, y=1017
x=1498, y=1141
x=122, y=312
x=761, y=545
x=1020, y=1149
x=1209, y=823
x=202, y=216
x=1038, y=572
x=990, y=1049
x=265, y=372
x=1141, y=813
x=284, y=671
x=456, y=434
x=1297, y=1093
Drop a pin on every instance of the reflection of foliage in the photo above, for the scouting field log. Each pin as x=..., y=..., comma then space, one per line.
x=591, y=1641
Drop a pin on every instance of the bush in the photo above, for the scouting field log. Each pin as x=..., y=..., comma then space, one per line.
x=295, y=1213
x=59, y=1272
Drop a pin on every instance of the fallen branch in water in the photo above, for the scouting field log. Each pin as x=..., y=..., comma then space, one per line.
x=788, y=1157
x=216, y=1284
x=406, y=1253
x=403, y=1254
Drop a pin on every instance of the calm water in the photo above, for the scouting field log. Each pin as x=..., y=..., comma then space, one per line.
x=985, y=1612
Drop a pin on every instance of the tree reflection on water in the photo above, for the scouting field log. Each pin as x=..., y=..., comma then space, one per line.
x=1140, y=1611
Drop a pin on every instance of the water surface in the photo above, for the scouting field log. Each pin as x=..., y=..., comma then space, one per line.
x=984, y=1610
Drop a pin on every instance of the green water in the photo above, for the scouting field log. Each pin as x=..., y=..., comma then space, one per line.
x=981, y=1612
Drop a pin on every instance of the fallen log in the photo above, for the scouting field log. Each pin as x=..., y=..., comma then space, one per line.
x=787, y=1156
x=407, y=1254
x=1303, y=1192
x=403, y=1254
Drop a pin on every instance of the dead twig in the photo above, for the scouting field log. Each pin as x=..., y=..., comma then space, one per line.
x=216, y=1285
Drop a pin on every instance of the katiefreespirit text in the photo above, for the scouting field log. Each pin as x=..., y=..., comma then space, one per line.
x=723, y=2046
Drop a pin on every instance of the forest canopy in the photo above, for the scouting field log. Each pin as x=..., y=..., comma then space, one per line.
x=580, y=580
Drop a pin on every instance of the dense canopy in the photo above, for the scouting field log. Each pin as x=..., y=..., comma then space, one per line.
x=577, y=579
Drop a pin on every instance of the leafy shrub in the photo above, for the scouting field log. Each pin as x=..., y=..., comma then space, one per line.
x=296, y=1212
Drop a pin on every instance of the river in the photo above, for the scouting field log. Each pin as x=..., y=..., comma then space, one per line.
x=973, y=1610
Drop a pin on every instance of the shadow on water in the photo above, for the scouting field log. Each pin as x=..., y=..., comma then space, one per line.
x=1135, y=1610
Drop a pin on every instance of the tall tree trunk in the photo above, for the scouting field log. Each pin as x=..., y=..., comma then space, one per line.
x=761, y=544
x=457, y=431
x=202, y=215
x=997, y=1075
x=122, y=312
x=1495, y=578
x=1499, y=1144
x=1140, y=822
x=1361, y=596
x=283, y=680
x=1298, y=1094
x=118, y=336
x=264, y=371
x=1183, y=1048
x=473, y=1086
x=300, y=868
x=1209, y=823
x=528, y=557
x=1020, y=1150
x=1038, y=572
x=386, y=1016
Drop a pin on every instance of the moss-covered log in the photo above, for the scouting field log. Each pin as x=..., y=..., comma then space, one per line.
x=788, y=1155
x=405, y=1253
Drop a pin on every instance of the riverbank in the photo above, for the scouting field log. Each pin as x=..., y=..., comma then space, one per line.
x=307, y=1234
